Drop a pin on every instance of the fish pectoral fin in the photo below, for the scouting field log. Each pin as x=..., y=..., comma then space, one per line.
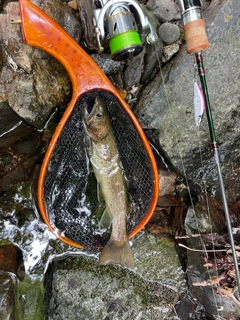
x=100, y=196
x=87, y=144
x=105, y=220
x=113, y=253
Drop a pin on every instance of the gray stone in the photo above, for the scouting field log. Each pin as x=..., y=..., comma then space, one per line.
x=152, y=59
x=27, y=81
x=205, y=283
x=86, y=17
x=133, y=71
x=169, y=32
x=107, y=65
x=7, y=294
x=170, y=50
x=112, y=292
x=164, y=10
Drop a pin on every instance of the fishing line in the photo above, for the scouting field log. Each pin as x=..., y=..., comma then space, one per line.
x=199, y=108
x=205, y=250
x=196, y=42
x=186, y=178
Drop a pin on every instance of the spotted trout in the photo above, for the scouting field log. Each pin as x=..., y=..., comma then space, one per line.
x=104, y=157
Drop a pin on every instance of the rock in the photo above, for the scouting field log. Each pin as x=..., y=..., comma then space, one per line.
x=107, y=65
x=170, y=51
x=211, y=275
x=164, y=10
x=167, y=181
x=115, y=292
x=7, y=296
x=20, y=157
x=205, y=217
x=9, y=125
x=205, y=283
x=152, y=60
x=33, y=83
x=64, y=16
x=86, y=16
x=169, y=107
x=141, y=68
x=169, y=32
x=133, y=71
x=11, y=260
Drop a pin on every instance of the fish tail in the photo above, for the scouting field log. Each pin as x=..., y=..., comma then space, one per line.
x=115, y=253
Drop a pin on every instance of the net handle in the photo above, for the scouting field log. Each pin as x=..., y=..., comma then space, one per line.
x=42, y=32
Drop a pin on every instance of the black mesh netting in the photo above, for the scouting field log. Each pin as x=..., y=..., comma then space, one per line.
x=70, y=187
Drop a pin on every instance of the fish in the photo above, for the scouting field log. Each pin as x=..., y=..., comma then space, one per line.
x=108, y=169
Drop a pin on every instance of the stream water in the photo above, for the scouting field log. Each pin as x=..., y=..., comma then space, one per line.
x=37, y=244
x=21, y=151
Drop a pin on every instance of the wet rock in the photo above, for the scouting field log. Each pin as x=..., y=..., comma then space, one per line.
x=11, y=260
x=7, y=296
x=9, y=125
x=11, y=269
x=206, y=285
x=152, y=60
x=188, y=308
x=210, y=266
x=33, y=83
x=108, y=66
x=169, y=32
x=164, y=10
x=65, y=17
x=133, y=72
x=86, y=17
x=167, y=181
x=170, y=51
x=114, y=292
x=170, y=105
x=19, y=159
x=207, y=216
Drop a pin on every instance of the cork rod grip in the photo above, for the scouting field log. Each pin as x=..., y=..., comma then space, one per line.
x=195, y=35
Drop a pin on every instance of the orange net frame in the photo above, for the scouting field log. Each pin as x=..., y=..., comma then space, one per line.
x=67, y=188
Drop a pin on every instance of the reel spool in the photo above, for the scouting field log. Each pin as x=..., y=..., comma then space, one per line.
x=116, y=23
x=193, y=25
x=67, y=188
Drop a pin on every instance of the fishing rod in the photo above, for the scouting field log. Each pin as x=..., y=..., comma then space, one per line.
x=196, y=42
x=119, y=23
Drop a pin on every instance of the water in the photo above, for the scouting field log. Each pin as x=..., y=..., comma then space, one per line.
x=24, y=228
x=20, y=222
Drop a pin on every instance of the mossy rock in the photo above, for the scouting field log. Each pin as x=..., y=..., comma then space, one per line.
x=78, y=288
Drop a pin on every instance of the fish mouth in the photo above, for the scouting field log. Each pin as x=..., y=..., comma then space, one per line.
x=88, y=112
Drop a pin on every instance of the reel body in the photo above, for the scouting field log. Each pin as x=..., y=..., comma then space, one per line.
x=67, y=187
x=119, y=23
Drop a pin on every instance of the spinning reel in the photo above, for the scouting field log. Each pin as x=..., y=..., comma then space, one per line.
x=120, y=22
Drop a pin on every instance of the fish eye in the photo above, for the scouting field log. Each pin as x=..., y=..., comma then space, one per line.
x=99, y=114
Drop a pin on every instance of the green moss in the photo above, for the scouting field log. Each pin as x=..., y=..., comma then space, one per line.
x=30, y=294
x=182, y=36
